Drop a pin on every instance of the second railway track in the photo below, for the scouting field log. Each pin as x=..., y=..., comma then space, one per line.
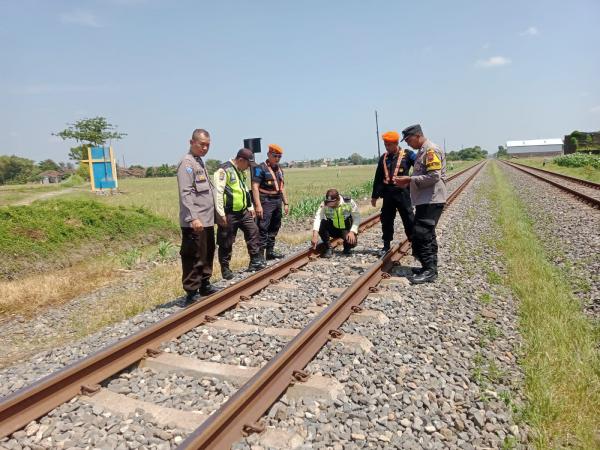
x=153, y=347
x=584, y=190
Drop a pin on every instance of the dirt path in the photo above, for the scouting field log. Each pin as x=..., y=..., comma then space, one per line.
x=42, y=196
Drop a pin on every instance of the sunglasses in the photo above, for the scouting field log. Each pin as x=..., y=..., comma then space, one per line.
x=276, y=156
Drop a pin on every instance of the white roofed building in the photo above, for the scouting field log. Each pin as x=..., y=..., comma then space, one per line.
x=535, y=147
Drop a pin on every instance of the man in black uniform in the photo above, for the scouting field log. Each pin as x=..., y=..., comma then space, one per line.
x=269, y=193
x=395, y=162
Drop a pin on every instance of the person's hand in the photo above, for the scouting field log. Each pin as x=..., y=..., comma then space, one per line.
x=402, y=181
x=222, y=220
x=252, y=213
x=351, y=238
x=259, y=211
x=373, y=202
x=315, y=240
x=197, y=225
x=286, y=209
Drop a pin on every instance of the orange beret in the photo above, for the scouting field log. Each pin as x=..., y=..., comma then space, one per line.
x=274, y=148
x=391, y=136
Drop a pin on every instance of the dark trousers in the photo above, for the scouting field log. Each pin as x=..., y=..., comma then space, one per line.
x=327, y=230
x=395, y=199
x=424, y=241
x=270, y=223
x=197, y=253
x=226, y=236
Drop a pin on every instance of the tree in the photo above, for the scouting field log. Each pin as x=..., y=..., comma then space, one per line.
x=502, y=152
x=356, y=159
x=48, y=164
x=16, y=170
x=95, y=131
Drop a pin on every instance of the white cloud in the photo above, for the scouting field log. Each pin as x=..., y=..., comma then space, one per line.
x=83, y=18
x=595, y=109
x=531, y=31
x=494, y=61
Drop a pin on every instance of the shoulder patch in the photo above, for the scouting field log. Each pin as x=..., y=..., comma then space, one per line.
x=257, y=171
x=433, y=161
x=189, y=169
x=221, y=175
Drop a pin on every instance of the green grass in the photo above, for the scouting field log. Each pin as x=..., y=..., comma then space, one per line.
x=585, y=173
x=560, y=354
x=60, y=231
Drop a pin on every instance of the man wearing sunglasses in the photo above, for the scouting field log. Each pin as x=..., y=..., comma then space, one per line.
x=270, y=200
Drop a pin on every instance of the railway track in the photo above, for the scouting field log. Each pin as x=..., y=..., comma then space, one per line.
x=85, y=376
x=584, y=190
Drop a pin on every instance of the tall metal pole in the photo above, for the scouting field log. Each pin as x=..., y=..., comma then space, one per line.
x=377, y=130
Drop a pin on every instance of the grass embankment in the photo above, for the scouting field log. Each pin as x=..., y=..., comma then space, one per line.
x=560, y=354
x=586, y=173
x=56, y=249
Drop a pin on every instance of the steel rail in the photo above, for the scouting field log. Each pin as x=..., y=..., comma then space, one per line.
x=594, y=202
x=239, y=415
x=83, y=376
x=581, y=181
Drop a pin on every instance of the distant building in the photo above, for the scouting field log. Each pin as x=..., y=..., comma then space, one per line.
x=535, y=147
x=50, y=176
x=134, y=172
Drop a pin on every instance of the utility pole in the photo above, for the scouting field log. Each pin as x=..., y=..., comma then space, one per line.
x=377, y=131
x=124, y=166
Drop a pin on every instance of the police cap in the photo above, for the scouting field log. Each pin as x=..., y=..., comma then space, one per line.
x=245, y=153
x=332, y=196
x=409, y=131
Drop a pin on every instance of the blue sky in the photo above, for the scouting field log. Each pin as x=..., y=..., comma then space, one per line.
x=306, y=75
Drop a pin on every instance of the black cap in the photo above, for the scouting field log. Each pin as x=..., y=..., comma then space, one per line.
x=332, y=195
x=245, y=153
x=409, y=131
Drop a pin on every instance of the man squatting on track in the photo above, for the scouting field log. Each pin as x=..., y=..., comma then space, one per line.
x=336, y=217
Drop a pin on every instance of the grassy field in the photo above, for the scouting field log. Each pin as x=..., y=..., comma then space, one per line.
x=560, y=355
x=585, y=173
x=160, y=195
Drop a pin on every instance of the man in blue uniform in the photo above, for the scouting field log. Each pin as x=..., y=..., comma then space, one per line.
x=268, y=191
x=394, y=162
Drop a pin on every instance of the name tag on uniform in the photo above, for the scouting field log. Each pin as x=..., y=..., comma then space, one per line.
x=269, y=181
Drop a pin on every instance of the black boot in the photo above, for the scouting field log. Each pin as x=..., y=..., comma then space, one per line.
x=271, y=253
x=427, y=276
x=347, y=250
x=386, y=248
x=226, y=273
x=191, y=297
x=256, y=263
x=417, y=270
x=208, y=289
x=328, y=253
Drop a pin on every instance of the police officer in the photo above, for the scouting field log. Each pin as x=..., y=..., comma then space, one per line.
x=269, y=200
x=196, y=218
x=395, y=161
x=337, y=217
x=235, y=211
x=428, y=193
